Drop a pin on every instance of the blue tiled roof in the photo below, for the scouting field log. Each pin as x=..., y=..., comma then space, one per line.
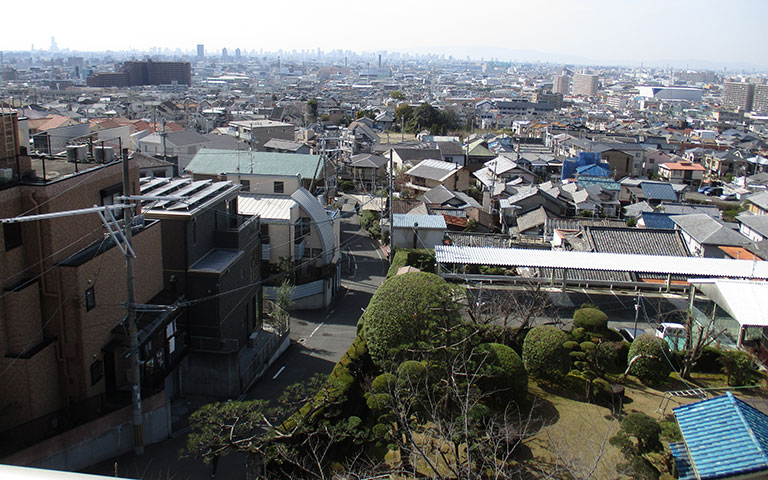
x=658, y=191
x=724, y=436
x=597, y=170
x=682, y=462
x=658, y=220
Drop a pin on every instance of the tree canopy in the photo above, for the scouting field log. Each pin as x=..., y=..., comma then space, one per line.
x=405, y=313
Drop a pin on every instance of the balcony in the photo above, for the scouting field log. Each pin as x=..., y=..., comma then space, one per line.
x=235, y=231
x=298, y=249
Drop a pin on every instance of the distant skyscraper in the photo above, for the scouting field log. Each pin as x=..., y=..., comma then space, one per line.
x=738, y=95
x=237, y=53
x=200, y=51
x=584, y=84
x=561, y=84
x=760, y=103
x=223, y=53
x=54, y=47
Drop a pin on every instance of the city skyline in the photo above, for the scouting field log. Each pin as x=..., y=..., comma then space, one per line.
x=678, y=34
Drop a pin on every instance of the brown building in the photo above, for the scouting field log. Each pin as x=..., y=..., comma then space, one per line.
x=63, y=348
x=143, y=73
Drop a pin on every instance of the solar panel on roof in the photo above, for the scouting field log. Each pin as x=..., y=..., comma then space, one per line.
x=198, y=197
x=171, y=186
x=190, y=189
x=152, y=183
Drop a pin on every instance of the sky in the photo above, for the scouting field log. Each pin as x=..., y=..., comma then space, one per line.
x=628, y=32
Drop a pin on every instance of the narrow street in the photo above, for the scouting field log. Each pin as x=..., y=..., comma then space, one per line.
x=318, y=340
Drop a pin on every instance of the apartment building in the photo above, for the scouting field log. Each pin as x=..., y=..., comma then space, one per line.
x=561, y=84
x=738, y=95
x=585, y=84
x=63, y=346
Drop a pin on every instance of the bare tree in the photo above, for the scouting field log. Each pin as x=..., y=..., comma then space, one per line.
x=517, y=307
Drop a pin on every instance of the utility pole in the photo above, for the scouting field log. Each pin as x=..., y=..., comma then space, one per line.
x=391, y=209
x=134, y=373
x=163, y=135
x=637, y=314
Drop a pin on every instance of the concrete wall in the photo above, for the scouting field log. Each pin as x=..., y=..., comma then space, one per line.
x=99, y=440
x=424, y=238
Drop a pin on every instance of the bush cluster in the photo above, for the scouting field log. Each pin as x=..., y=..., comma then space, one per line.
x=544, y=354
x=655, y=366
x=407, y=310
x=503, y=374
x=590, y=319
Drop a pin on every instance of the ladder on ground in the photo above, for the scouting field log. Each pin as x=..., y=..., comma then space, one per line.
x=692, y=393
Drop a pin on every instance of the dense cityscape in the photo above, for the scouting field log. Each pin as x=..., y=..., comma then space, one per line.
x=339, y=264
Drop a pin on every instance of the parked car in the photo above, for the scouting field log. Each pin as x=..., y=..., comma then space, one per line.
x=674, y=334
x=729, y=197
x=714, y=192
x=630, y=334
x=704, y=189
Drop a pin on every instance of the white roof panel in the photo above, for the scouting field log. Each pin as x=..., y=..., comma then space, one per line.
x=520, y=257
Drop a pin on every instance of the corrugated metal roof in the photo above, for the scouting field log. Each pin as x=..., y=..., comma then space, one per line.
x=210, y=161
x=724, y=436
x=266, y=207
x=518, y=257
x=745, y=301
x=422, y=221
x=216, y=261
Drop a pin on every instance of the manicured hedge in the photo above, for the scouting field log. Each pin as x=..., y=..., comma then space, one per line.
x=503, y=373
x=590, y=319
x=655, y=367
x=408, y=310
x=544, y=354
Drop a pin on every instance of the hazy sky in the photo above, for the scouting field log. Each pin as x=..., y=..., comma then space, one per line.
x=617, y=31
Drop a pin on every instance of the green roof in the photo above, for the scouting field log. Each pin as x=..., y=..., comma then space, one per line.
x=477, y=149
x=209, y=161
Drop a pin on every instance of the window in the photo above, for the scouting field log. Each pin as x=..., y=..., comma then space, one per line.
x=301, y=230
x=246, y=185
x=278, y=187
x=108, y=197
x=12, y=235
x=90, y=299
x=97, y=371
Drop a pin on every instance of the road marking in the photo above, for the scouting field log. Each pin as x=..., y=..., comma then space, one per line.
x=278, y=372
x=301, y=341
x=316, y=329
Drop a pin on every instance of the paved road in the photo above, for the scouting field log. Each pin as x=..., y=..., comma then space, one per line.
x=318, y=340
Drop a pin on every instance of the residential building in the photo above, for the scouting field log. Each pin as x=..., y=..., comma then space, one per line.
x=585, y=84
x=149, y=72
x=258, y=172
x=754, y=227
x=704, y=235
x=682, y=172
x=758, y=203
x=211, y=255
x=299, y=233
x=417, y=231
x=760, y=102
x=722, y=437
x=64, y=345
x=258, y=132
x=561, y=84
x=431, y=173
x=738, y=95
x=369, y=171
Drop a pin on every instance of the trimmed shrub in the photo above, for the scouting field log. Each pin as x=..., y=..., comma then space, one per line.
x=655, y=366
x=408, y=310
x=411, y=371
x=571, y=345
x=384, y=383
x=590, y=319
x=709, y=361
x=503, y=373
x=739, y=368
x=544, y=355
x=587, y=346
x=377, y=401
x=612, y=356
